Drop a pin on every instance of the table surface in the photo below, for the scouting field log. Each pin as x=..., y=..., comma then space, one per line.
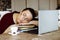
x=21, y=36
x=55, y=35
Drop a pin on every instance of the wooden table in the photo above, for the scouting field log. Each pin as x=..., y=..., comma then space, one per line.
x=28, y=36
x=21, y=36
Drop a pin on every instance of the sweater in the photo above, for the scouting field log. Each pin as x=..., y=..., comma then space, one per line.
x=6, y=21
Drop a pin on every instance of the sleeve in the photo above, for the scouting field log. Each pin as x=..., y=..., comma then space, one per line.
x=4, y=23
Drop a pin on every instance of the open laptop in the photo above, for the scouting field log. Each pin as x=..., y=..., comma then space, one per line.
x=48, y=21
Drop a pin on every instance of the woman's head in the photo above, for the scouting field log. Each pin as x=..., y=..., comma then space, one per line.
x=26, y=15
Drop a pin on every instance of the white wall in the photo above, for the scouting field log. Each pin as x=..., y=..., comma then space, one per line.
x=47, y=4
x=35, y=4
x=18, y=5
x=32, y=4
x=53, y=4
x=43, y=4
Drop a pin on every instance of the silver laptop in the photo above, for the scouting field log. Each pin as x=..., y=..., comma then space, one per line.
x=48, y=21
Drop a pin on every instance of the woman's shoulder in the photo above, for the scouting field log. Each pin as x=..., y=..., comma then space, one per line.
x=7, y=14
x=11, y=13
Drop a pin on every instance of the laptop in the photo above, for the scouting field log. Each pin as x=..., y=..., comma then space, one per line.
x=48, y=21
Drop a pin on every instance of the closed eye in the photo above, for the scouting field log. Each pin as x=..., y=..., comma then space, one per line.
x=24, y=14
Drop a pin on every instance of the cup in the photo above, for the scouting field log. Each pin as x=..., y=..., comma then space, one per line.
x=14, y=30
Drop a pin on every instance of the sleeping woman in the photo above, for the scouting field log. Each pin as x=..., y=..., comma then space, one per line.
x=27, y=15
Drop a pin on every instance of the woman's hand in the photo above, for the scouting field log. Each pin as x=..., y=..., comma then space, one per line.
x=34, y=22
x=24, y=24
x=31, y=22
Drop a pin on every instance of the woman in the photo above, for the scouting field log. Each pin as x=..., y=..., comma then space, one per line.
x=22, y=18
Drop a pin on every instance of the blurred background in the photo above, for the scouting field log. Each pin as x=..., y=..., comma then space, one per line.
x=18, y=5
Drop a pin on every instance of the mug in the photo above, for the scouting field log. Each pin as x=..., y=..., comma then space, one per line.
x=14, y=30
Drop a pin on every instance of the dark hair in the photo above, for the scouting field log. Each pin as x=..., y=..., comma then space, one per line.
x=15, y=12
x=32, y=12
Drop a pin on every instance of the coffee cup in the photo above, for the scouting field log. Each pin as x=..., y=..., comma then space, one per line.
x=13, y=30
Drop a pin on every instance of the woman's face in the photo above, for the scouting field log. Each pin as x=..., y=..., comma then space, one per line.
x=24, y=17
